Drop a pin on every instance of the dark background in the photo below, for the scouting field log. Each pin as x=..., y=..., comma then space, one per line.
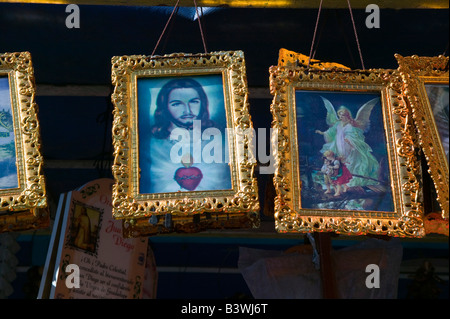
x=73, y=77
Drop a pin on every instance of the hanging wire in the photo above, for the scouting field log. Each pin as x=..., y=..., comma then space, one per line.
x=200, y=26
x=319, y=36
x=315, y=31
x=356, y=34
x=165, y=27
x=175, y=9
x=346, y=38
x=169, y=30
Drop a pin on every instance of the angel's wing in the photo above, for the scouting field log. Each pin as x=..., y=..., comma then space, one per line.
x=363, y=116
x=332, y=117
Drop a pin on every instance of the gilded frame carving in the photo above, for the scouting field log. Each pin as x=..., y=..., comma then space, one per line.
x=418, y=72
x=23, y=199
x=188, y=224
x=406, y=217
x=129, y=203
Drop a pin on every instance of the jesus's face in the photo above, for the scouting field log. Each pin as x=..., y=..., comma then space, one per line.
x=184, y=105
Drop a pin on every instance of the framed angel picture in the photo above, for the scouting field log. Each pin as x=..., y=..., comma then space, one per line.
x=181, y=135
x=343, y=153
x=343, y=144
x=23, y=199
x=426, y=88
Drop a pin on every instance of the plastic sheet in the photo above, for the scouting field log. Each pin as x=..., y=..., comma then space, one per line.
x=272, y=274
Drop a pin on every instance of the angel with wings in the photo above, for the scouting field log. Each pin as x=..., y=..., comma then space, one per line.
x=345, y=137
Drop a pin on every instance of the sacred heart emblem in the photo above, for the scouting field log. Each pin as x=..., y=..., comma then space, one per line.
x=188, y=177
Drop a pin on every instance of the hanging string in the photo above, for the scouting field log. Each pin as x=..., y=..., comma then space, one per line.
x=200, y=26
x=164, y=30
x=346, y=38
x=315, y=31
x=319, y=36
x=169, y=30
x=356, y=34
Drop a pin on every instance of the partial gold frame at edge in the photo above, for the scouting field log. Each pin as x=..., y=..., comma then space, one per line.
x=33, y=219
x=25, y=206
x=135, y=207
x=417, y=71
x=407, y=220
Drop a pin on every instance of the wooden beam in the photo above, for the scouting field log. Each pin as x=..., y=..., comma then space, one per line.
x=327, y=269
x=273, y=4
x=105, y=90
x=72, y=90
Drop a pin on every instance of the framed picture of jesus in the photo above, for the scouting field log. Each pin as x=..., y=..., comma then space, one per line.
x=182, y=135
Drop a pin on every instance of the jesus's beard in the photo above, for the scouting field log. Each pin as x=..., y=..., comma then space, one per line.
x=186, y=125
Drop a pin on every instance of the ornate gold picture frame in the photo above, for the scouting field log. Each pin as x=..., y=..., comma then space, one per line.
x=197, y=163
x=344, y=151
x=427, y=91
x=23, y=199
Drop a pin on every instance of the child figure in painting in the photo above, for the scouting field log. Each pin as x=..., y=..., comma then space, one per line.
x=335, y=173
